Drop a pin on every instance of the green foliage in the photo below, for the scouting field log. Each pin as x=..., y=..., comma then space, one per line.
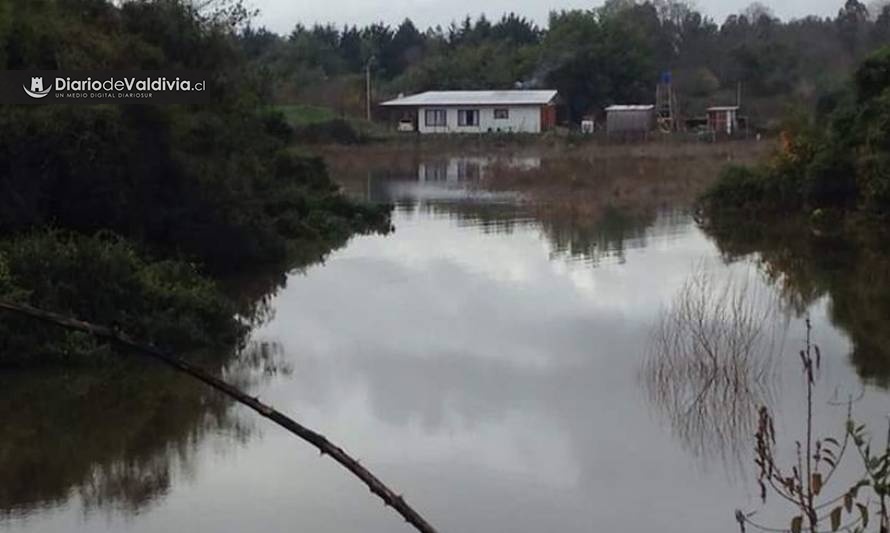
x=599, y=60
x=200, y=181
x=759, y=188
x=104, y=279
x=739, y=186
x=299, y=115
x=839, y=159
x=596, y=57
x=213, y=188
x=829, y=179
x=335, y=131
x=873, y=76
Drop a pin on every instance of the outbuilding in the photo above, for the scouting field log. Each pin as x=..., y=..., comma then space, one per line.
x=519, y=111
x=630, y=121
x=723, y=120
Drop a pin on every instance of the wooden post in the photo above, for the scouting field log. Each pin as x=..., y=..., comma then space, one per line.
x=368, y=88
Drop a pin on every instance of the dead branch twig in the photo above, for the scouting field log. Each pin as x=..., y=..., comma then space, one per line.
x=318, y=440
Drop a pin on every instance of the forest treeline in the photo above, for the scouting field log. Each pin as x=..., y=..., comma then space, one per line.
x=610, y=54
x=124, y=213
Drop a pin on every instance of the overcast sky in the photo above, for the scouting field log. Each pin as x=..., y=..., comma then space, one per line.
x=282, y=15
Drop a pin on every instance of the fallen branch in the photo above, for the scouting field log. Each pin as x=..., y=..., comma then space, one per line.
x=318, y=440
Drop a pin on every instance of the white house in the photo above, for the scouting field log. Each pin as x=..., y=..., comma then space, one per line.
x=477, y=111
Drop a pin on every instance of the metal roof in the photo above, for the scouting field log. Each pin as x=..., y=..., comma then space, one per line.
x=630, y=108
x=724, y=108
x=448, y=98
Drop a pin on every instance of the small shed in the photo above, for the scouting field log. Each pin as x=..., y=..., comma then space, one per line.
x=723, y=120
x=630, y=120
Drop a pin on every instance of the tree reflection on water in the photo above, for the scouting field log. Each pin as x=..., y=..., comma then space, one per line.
x=712, y=364
x=850, y=266
x=113, y=438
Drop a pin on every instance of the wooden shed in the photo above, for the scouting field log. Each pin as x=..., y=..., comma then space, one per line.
x=630, y=121
x=723, y=120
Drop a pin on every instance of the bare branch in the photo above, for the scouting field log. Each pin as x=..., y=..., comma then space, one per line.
x=326, y=447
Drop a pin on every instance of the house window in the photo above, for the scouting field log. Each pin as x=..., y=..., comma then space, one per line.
x=468, y=170
x=501, y=114
x=467, y=117
x=435, y=118
x=435, y=171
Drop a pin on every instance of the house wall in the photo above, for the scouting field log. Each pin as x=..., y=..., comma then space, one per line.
x=522, y=119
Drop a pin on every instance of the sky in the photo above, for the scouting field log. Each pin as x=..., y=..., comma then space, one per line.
x=282, y=15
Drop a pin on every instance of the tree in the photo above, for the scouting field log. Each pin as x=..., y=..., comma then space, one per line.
x=405, y=49
x=595, y=61
x=517, y=30
x=851, y=24
x=757, y=11
x=350, y=48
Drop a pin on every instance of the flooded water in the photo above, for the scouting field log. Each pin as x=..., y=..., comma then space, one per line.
x=487, y=359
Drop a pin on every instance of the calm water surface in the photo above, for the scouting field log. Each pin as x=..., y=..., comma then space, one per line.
x=484, y=359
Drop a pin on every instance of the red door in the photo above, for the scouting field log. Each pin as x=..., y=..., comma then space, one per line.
x=548, y=117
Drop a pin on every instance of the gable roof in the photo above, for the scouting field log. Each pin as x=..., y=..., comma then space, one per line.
x=447, y=98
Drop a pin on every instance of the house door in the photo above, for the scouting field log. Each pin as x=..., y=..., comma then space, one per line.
x=548, y=117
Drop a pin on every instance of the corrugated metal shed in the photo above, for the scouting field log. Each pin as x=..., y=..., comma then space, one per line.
x=630, y=108
x=630, y=120
x=474, y=98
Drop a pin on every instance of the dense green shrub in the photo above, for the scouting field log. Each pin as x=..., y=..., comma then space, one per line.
x=181, y=181
x=873, y=76
x=839, y=159
x=104, y=280
x=738, y=186
x=829, y=180
x=765, y=187
x=209, y=182
x=214, y=188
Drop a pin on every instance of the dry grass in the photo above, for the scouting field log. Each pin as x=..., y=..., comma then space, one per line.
x=578, y=180
x=635, y=178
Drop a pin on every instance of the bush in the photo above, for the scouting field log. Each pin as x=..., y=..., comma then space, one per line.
x=829, y=180
x=212, y=188
x=204, y=182
x=737, y=186
x=873, y=76
x=103, y=279
x=845, y=165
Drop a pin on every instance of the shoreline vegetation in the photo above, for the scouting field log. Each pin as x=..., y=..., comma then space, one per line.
x=135, y=215
x=832, y=168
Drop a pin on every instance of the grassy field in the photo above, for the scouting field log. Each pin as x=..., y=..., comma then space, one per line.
x=304, y=115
